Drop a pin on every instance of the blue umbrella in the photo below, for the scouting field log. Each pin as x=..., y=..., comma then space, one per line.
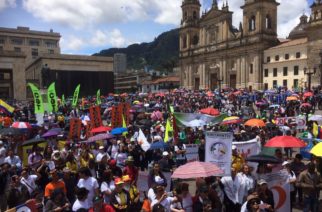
x=117, y=131
x=158, y=145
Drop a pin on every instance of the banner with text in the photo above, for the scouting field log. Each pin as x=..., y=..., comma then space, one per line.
x=52, y=98
x=192, y=152
x=218, y=150
x=299, y=120
x=38, y=103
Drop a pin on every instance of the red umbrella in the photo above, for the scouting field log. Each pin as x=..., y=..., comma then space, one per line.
x=308, y=94
x=210, y=111
x=197, y=169
x=21, y=125
x=285, y=141
x=101, y=129
x=306, y=105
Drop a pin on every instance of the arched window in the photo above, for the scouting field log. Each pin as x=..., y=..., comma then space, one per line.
x=268, y=22
x=184, y=42
x=195, y=40
x=251, y=23
x=194, y=15
x=185, y=15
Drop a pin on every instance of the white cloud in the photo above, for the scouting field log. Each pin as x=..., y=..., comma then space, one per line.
x=113, y=38
x=72, y=43
x=7, y=3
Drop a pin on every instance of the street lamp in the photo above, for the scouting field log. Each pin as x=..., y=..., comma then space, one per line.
x=309, y=72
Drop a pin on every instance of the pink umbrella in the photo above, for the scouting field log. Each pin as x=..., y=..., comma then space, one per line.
x=156, y=115
x=21, y=125
x=197, y=169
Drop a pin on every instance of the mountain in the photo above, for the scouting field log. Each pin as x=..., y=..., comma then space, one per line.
x=161, y=54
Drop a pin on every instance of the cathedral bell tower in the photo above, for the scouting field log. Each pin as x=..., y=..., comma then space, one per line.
x=189, y=30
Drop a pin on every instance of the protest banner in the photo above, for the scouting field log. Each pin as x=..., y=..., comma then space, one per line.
x=218, y=150
x=38, y=102
x=116, y=117
x=52, y=98
x=196, y=119
x=75, y=128
x=248, y=148
x=124, y=109
x=299, y=120
x=192, y=152
x=277, y=182
x=95, y=116
x=75, y=96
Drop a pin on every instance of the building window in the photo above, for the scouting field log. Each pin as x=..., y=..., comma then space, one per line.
x=298, y=54
x=195, y=40
x=266, y=86
x=275, y=72
x=184, y=42
x=274, y=83
x=34, y=42
x=285, y=83
x=252, y=23
x=296, y=70
x=287, y=56
x=1, y=48
x=185, y=15
x=268, y=59
x=17, y=41
x=1, y=76
x=285, y=71
x=34, y=53
x=296, y=83
x=268, y=22
x=194, y=15
x=17, y=49
x=2, y=40
x=51, y=43
x=51, y=51
x=251, y=67
x=266, y=72
x=277, y=58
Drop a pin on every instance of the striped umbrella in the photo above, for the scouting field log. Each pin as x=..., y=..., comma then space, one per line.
x=21, y=125
x=232, y=120
x=197, y=169
x=100, y=137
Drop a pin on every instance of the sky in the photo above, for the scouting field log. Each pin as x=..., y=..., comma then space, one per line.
x=88, y=26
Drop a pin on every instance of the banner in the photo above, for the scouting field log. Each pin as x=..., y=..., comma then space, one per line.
x=143, y=142
x=75, y=126
x=38, y=103
x=52, y=98
x=218, y=150
x=75, y=96
x=63, y=99
x=248, y=148
x=278, y=184
x=124, y=109
x=95, y=116
x=6, y=107
x=116, y=117
x=98, y=97
x=196, y=119
x=299, y=120
x=192, y=152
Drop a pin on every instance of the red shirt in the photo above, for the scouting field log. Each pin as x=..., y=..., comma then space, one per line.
x=132, y=172
x=105, y=208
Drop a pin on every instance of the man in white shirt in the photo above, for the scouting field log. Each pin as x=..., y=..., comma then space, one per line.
x=180, y=150
x=82, y=200
x=28, y=180
x=13, y=160
x=101, y=153
x=88, y=182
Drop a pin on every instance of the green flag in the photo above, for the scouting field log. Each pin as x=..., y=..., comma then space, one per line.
x=75, y=97
x=38, y=103
x=98, y=97
x=52, y=98
x=63, y=99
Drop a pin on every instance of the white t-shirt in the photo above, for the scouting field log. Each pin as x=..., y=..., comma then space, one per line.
x=2, y=155
x=90, y=184
x=29, y=182
x=166, y=203
x=180, y=156
x=151, y=195
x=80, y=204
x=107, y=187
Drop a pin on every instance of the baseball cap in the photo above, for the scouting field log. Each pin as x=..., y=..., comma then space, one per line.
x=261, y=182
x=234, y=147
x=165, y=153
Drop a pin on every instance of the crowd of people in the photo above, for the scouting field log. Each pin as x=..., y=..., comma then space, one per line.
x=105, y=175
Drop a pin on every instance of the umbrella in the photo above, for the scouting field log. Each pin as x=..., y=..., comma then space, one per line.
x=33, y=141
x=117, y=131
x=10, y=131
x=101, y=129
x=285, y=141
x=317, y=150
x=156, y=115
x=291, y=98
x=274, y=106
x=255, y=123
x=21, y=125
x=197, y=169
x=52, y=132
x=315, y=118
x=210, y=111
x=232, y=120
x=136, y=102
x=158, y=145
x=306, y=105
x=99, y=137
x=308, y=94
x=261, y=158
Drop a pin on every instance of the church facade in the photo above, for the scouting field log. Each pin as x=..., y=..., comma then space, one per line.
x=215, y=54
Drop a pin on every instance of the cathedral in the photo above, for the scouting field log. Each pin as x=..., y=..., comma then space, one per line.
x=216, y=54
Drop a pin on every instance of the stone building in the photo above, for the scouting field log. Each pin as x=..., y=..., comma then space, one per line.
x=119, y=63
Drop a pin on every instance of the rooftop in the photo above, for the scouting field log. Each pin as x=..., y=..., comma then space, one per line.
x=27, y=31
x=288, y=43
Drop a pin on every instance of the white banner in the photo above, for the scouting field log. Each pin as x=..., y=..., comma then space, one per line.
x=192, y=152
x=248, y=148
x=277, y=182
x=299, y=120
x=218, y=150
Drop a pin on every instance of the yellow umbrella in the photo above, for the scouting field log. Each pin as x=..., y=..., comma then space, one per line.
x=317, y=150
x=136, y=102
x=231, y=120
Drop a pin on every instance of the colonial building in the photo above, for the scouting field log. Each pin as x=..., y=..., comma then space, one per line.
x=213, y=52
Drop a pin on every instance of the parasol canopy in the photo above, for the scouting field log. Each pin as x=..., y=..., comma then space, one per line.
x=101, y=129
x=317, y=150
x=33, y=141
x=197, y=169
x=159, y=145
x=210, y=111
x=285, y=141
x=21, y=125
x=117, y=131
x=255, y=123
x=99, y=137
x=10, y=131
x=262, y=158
x=315, y=118
x=232, y=120
x=308, y=94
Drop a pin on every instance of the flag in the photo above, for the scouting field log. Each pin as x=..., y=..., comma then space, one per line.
x=168, y=129
x=5, y=107
x=171, y=109
x=143, y=142
x=315, y=130
x=63, y=99
x=196, y=119
x=38, y=103
x=98, y=97
x=52, y=98
x=123, y=125
x=75, y=97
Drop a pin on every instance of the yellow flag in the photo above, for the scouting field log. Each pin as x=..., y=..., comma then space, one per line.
x=315, y=130
x=168, y=129
x=123, y=125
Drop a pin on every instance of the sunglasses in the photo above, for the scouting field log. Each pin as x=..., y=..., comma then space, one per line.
x=255, y=202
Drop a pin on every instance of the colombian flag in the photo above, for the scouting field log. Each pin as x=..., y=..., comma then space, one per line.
x=5, y=107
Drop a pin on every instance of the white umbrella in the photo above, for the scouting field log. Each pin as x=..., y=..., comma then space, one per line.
x=315, y=118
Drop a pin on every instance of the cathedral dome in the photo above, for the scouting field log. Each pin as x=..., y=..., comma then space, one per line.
x=300, y=30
